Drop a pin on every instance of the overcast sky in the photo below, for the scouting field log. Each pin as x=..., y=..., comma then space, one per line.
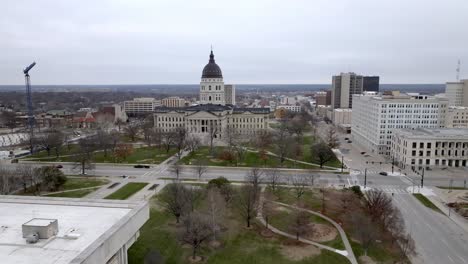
x=254, y=41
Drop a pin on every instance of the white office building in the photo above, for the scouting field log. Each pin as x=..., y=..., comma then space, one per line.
x=376, y=116
x=430, y=147
x=296, y=108
x=457, y=117
x=68, y=231
x=141, y=105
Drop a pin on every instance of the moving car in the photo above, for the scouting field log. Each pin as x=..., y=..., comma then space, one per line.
x=383, y=173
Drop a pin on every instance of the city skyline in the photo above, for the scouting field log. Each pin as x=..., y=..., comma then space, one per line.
x=148, y=43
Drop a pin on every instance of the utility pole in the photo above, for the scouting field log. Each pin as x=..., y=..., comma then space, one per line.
x=393, y=162
x=30, y=106
x=365, y=178
x=422, y=179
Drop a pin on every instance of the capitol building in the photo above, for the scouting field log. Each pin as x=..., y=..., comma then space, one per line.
x=216, y=112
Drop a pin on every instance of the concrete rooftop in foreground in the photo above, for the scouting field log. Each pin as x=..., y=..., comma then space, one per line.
x=92, y=221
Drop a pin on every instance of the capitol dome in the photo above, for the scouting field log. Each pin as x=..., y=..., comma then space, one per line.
x=212, y=70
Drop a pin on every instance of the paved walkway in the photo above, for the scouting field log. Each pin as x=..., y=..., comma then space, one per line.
x=348, y=253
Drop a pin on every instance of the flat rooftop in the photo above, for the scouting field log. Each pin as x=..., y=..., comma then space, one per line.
x=435, y=133
x=82, y=224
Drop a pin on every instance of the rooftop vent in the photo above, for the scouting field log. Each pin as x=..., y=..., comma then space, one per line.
x=43, y=228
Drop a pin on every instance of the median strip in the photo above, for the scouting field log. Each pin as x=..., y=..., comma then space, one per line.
x=126, y=191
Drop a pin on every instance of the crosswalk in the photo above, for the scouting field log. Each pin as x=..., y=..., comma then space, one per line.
x=392, y=189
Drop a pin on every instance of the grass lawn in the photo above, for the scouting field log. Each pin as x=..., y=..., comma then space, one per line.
x=426, y=202
x=239, y=246
x=311, y=198
x=82, y=182
x=251, y=159
x=73, y=194
x=149, y=155
x=63, y=151
x=126, y=191
x=375, y=251
x=453, y=188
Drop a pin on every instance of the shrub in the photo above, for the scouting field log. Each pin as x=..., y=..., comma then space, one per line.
x=357, y=190
x=218, y=182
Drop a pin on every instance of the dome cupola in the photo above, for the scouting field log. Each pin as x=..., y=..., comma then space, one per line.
x=212, y=70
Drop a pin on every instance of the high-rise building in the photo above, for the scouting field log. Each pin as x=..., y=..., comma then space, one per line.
x=457, y=117
x=230, y=94
x=376, y=116
x=457, y=93
x=345, y=85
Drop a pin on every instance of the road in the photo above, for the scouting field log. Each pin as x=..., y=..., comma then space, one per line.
x=438, y=239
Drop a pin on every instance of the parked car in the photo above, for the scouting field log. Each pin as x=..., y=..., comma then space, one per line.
x=362, y=153
x=383, y=173
x=59, y=166
x=139, y=166
x=346, y=138
x=349, y=141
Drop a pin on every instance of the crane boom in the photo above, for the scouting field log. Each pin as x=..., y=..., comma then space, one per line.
x=30, y=106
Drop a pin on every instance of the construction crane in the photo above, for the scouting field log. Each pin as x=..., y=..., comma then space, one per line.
x=30, y=106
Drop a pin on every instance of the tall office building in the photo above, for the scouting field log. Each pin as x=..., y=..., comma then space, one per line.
x=347, y=84
x=230, y=94
x=457, y=93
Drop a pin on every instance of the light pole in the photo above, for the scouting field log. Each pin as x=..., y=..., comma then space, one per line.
x=393, y=162
x=342, y=164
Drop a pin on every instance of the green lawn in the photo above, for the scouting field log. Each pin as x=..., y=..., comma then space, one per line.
x=73, y=194
x=148, y=155
x=375, y=251
x=241, y=246
x=251, y=159
x=453, y=188
x=73, y=183
x=426, y=202
x=311, y=198
x=126, y=191
x=63, y=151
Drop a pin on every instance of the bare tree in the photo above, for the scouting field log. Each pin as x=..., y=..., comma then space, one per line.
x=180, y=140
x=377, y=203
x=176, y=169
x=173, y=198
x=363, y=230
x=25, y=174
x=301, y=183
x=282, y=142
x=332, y=138
x=131, y=131
x=103, y=140
x=200, y=168
x=216, y=210
x=196, y=231
x=213, y=131
x=267, y=208
x=120, y=123
x=300, y=223
x=84, y=156
x=193, y=143
x=255, y=178
x=8, y=119
x=407, y=245
x=168, y=140
x=273, y=179
x=321, y=153
x=248, y=202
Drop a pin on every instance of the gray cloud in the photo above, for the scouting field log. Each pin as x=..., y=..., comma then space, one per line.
x=261, y=41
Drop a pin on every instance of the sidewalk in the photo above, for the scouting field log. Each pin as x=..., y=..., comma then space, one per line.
x=432, y=195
